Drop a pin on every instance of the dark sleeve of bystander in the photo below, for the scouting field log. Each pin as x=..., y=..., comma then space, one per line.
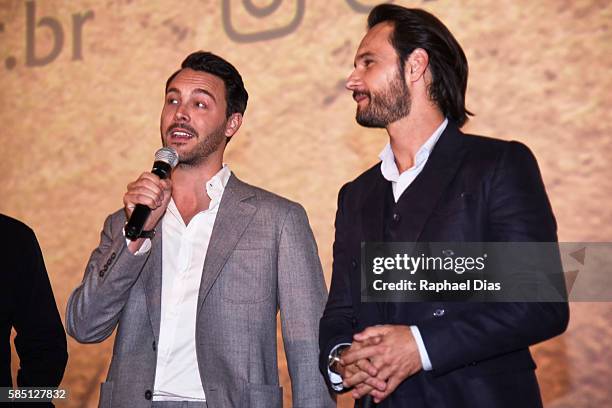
x=29, y=307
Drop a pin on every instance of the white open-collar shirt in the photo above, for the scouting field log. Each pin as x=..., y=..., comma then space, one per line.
x=177, y=377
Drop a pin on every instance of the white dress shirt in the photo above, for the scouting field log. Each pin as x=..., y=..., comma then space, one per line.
x=388, y=167
x=177, y=377
x=399, y=183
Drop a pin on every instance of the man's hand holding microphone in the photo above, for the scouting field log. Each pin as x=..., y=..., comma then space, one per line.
x=147, y=198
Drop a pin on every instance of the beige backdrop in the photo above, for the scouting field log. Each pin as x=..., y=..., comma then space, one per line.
x=76, y=130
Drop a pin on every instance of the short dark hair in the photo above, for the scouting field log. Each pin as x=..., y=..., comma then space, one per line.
x=205, y=61
x=416, y=28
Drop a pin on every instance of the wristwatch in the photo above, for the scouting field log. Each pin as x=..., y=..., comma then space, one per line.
x=147, y=234
x=334, y=358
x=143, y=234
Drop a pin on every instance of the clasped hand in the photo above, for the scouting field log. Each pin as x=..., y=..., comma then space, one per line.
x=380, y=358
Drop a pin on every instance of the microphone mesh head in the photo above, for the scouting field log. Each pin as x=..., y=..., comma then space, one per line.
x=167, y=155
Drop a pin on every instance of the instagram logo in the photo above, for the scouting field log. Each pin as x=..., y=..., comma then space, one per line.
x=247, y=14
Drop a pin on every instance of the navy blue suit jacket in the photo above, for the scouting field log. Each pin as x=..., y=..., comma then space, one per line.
x=472, y=189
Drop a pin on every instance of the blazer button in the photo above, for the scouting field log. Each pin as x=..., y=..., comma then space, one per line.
x=448, y=252
x=354, y=264
x=101, y=274
x=148, y=394
x=439, y=312
x=396, y=217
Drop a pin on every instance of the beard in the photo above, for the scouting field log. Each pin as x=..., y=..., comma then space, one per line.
x=387, y=106
x=205, y=146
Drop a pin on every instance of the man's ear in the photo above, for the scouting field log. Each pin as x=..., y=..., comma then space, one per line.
x=233, y=124
x=416, y=65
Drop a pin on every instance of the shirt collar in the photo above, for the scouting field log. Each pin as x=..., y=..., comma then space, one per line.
x=214, y=188
x=388, y=166
x=216, y=185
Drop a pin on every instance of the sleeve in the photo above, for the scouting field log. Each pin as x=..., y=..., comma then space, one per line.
x=336, y=325
x=95, y=305
x=40, y=341
x=302, y=294
x=518, y=211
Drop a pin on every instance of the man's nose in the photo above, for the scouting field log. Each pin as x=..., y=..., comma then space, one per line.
x=181, y=114
x=353, y=81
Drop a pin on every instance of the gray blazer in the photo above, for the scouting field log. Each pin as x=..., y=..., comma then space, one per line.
x=262, y=257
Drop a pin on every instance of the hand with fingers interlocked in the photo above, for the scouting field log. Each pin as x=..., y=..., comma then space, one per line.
x=380, y=358
x=360, y=374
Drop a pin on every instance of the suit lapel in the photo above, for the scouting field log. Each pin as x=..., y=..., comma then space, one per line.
x=152, y=279
x=427, y=189
x=233, y=217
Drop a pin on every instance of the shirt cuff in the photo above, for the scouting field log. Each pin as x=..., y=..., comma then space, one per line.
x=425, y=362
x=144, y=248
x=334, y=378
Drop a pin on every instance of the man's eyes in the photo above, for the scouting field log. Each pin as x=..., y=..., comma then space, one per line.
x=174, y=101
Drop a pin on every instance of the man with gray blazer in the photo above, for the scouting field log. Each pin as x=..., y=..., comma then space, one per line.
x=195, y=296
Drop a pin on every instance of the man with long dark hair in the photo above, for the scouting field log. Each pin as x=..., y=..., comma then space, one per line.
x=433, y=184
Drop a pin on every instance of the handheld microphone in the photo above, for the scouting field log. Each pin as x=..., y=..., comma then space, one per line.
x=166, y=159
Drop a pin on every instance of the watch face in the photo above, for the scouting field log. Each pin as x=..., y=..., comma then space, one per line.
x=334, y=358
x=333, y=367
